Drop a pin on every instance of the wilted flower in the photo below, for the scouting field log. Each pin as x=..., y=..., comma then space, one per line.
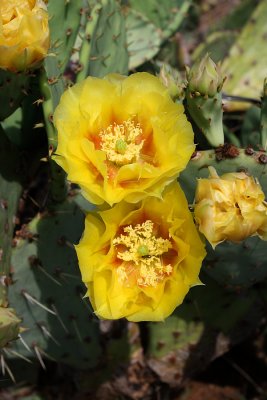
x=121, y=138
x=230, y=207
x=139, y=260
x=24, y=33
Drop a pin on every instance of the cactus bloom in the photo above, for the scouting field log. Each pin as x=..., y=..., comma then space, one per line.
x=121, y=138
x=24, y=33
x=231, y=207
x=139, y=260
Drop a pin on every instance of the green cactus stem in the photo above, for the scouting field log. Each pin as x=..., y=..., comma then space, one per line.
x=204, y=99
x=263, y=126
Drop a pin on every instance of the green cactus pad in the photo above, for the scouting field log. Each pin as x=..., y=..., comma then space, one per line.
x=166, y=15
x=244, y=68
x=47, y=291
x=103, y=47
x=206, y=325
x=143, y=38
x=13, y=88
x=64, y=24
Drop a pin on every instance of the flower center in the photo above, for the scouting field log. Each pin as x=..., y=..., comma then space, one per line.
x=142, y=255
x=122, y=143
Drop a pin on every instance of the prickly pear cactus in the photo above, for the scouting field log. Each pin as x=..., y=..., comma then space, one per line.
x=244, y=68
x=204, y=327
x=47, y=293
x=204, y=99
x=13, y=88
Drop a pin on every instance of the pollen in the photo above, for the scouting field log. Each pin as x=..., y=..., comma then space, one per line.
x=122, y=143
x=142, y=254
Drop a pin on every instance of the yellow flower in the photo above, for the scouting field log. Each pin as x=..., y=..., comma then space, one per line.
x=24, y=33
x=230, y=207
x=121, y=138
x=139, y=260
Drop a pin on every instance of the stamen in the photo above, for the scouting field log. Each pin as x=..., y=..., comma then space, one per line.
x=122, y=143
x=143, y=251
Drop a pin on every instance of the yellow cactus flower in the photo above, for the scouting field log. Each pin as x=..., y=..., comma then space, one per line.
x=121, y=138
x=231, y=207
x=24, y=33
x=139, y=260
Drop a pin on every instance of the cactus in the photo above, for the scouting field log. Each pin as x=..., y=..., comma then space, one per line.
x=166, y=16
x=244, y=68
x=64, y=25
x=204, y=99
x=47, y=294
x=143, y=38
x=263, y=126
x=104, y=42
x=203, y=328
x=13, y=88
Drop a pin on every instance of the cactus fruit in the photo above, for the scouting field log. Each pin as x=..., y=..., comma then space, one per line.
x=204, y=99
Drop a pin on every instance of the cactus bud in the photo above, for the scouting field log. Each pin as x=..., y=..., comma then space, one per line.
x=9, y=326
x=172, y=79
x=205, y=77
x=230, y=207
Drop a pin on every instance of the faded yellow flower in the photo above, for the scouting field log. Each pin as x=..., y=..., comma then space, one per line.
x=230, y=207
x=139, y=260
x=121, y=138
x=24, y=33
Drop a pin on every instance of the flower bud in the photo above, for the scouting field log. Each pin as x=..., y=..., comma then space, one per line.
x=172, y=79
x=205, y=77
x=230, y=207
x=24, y=33
x=9, y=325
